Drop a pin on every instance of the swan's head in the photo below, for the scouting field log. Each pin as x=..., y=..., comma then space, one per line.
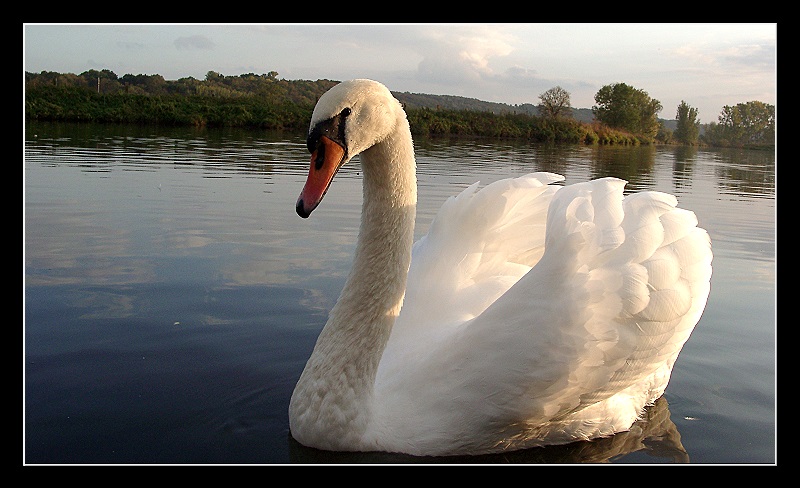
x=348, y=119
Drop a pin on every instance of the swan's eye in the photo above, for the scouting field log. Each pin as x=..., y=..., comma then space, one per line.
x=346, y=112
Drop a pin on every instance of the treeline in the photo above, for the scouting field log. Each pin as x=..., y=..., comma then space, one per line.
x=77, y=104
x=510, y=125
x=750, y=124
x=265, y=101
x=265, y=86
x=251, y=100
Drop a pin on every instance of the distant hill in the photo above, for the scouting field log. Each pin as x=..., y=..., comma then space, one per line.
x=453, y=102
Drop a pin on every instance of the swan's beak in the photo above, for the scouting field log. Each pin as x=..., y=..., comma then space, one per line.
x=326, y=160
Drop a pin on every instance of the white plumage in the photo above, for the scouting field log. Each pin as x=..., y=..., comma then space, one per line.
x=530, y=314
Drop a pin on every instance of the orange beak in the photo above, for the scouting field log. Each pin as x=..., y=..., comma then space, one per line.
x=326, y=160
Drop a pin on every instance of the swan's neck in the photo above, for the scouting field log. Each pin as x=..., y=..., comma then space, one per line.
x=331, y=404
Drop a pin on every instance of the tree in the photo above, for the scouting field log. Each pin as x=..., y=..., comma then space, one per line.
x=150, y=84
x=688, y=128
x=746, y=124
x=555, y=103
x=751, y=122
x=625, y=107
x=213, y=76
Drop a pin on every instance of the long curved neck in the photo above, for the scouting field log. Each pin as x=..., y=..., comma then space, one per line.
x=376, y=285
x=374, y=290
x=336, y=385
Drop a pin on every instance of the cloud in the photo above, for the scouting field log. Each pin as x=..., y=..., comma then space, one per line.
x=753, y=56
x=128, y=45
x=518, y=72
x=759, y=56
x=194, y=42
x=460, y=55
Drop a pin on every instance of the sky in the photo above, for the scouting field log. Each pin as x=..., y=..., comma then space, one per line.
x=706, y=65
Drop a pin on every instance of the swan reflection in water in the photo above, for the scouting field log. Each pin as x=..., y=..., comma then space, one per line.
x=654, y=435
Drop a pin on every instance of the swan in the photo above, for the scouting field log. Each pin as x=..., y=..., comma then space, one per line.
x=530, y=314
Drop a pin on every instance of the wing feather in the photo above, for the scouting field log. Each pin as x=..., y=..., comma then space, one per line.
x=540, y=329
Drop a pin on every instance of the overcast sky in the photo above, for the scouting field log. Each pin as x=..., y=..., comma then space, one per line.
x=706, y=65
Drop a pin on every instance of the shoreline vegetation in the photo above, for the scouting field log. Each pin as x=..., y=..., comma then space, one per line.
x=266, y=102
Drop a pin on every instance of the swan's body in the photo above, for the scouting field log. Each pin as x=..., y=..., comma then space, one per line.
x=505, y=336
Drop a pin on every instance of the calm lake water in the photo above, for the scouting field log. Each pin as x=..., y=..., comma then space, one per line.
x=172, y=295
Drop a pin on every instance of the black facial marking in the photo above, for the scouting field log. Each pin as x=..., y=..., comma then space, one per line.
x=332, y=128
x=320, y=157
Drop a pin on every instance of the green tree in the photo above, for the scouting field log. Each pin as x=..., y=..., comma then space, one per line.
x=555, y=103
x=625, y=107
x=150, y=84
x=665, y=135
x=688, y=128
x=746, y=124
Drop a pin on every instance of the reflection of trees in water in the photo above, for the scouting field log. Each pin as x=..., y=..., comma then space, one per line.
x=215, y=151
x=218, y=151
x=742, y=171
x=747, y=171
x=555, y=158
x=682, y=166
x=464, y=155
x=631, y=163
x=655, y=435
x=685, y=154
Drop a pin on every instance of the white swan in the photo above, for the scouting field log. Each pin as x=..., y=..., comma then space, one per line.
x=496, y=335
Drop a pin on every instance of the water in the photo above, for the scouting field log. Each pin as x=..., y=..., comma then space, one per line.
x=172, y=295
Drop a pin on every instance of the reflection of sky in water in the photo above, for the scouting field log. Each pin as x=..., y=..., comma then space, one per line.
x=191, y=231
x=130, y=210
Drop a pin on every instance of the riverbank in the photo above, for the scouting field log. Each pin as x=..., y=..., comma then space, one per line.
x=76, y=104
